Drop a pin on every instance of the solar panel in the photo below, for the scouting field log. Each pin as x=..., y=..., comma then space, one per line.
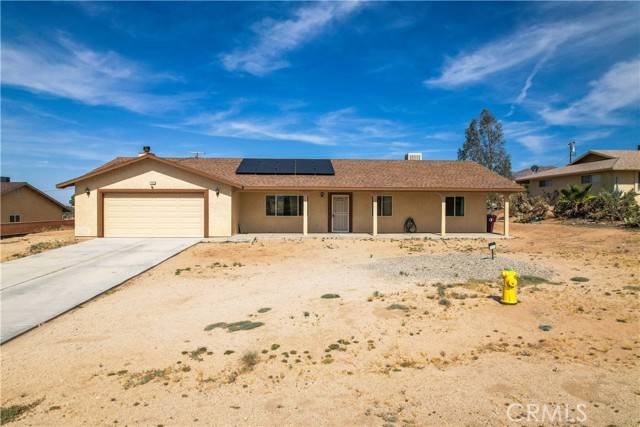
x=285, y=167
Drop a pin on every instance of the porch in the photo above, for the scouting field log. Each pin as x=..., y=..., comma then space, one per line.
x=361, y=214
x=250, y=237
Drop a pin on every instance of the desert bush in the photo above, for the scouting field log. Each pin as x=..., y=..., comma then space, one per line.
x=529, y=209
x=613, y=206
x=573, y=201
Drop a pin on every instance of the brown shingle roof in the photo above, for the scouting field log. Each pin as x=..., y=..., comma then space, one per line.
x=7, y=187
x=349, y=174
x=621, y=160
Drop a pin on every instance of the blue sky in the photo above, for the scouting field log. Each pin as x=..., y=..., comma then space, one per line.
x=85, y=82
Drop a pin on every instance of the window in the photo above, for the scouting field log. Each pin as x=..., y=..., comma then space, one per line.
x=14, y=218
x=284, y=205
x=455, y=206
x=585, y=179
x=638, y=183
x=544, y=183
x=385, y=206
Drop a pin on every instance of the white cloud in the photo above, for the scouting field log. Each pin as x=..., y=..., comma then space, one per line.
x=69, y=70
x=584, y=34
x=617, y=89
x=341, y=127
x=530, y=135
x=503, y=54
x=276, y=38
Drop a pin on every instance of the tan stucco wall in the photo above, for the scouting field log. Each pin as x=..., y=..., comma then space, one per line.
x=627, y=181
x=30, y=205
x=139, y=176
x=423, y=207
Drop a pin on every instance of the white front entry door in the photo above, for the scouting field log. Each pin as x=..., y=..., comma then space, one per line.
x=340, y=213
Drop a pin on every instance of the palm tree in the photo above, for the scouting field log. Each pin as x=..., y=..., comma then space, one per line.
x=574, y=200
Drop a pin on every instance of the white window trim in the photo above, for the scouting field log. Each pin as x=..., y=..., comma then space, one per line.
x=380, y=206
x=298, y=196
x=15, y=215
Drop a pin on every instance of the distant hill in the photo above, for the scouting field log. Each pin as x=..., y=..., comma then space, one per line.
x=527, y=171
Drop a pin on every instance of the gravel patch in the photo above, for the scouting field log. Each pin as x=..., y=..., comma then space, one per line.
x=457, y=267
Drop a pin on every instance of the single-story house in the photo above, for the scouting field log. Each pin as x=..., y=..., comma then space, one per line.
x=150, y=195
x=22, y=202
x=605, y=170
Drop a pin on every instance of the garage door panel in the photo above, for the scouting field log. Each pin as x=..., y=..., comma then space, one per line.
x=154, y=215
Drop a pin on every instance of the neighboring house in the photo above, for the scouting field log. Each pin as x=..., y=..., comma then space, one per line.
x=605, y=170
x=21, y=202
x=155, y=196
x=528, y=171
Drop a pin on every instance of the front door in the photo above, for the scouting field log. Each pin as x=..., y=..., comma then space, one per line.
x=340, y=213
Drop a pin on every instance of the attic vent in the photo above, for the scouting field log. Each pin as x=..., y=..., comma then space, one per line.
x=413, y=156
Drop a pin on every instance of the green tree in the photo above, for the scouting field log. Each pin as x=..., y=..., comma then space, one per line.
x=484, y=144
x=72, y=200
x=573, y=201
x=471, y=150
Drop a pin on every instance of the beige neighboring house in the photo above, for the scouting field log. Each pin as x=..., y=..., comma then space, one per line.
x=22, y=202
x=150, y=195
x=605, y=170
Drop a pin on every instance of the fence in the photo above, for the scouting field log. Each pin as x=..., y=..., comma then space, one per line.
x=19, y=228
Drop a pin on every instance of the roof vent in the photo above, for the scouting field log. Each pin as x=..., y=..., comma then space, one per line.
x=413, y=156
x=5, y=179
x=145, y=150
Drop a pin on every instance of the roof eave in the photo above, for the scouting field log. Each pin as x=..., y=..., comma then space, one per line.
x=390, y=188
x=530, y=177
x=148, y=156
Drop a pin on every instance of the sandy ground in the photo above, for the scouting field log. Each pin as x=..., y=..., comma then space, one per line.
x=21, y=246
x=140, y=355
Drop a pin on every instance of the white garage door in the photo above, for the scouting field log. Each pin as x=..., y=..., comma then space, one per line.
x=153, y=215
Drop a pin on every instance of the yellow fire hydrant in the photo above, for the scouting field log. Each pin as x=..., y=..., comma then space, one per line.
x=509, y=287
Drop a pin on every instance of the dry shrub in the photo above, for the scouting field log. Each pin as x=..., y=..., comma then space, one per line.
x=529, y=209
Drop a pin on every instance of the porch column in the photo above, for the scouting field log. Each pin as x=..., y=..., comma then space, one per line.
x=506, y=215
x=374, y=201
x=443, y=216
x=305, y=215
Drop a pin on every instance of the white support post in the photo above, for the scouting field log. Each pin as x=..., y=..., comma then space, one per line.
x=506, y=215
x=374, y=201
x=305, y=215
x=443, y=216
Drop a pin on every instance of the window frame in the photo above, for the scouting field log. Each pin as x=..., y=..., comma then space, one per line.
x=299, y=204
x=456, y=212
x=12, y=218
x=586, y=179
x=544, y=183
x=380, y=202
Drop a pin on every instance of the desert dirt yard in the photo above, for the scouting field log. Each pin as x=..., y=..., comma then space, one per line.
x=30, y=244
x=348, y=332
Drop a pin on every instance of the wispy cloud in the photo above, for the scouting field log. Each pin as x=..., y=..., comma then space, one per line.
x=530, y=135
x=66, y=69
x=535, y=44
x=276, y=38
x=617, y=89
x=339, y=127
x=503, y=54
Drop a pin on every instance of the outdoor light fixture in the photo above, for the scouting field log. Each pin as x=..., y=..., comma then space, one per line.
x=152, y=183
x=492, y=248
x=217, y=191
x=322, y=194
x=87, y=191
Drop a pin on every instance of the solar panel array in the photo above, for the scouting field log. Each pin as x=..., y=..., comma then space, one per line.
x=285, y=167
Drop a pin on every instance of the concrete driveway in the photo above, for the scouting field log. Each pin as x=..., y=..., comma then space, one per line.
x=40, y=287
